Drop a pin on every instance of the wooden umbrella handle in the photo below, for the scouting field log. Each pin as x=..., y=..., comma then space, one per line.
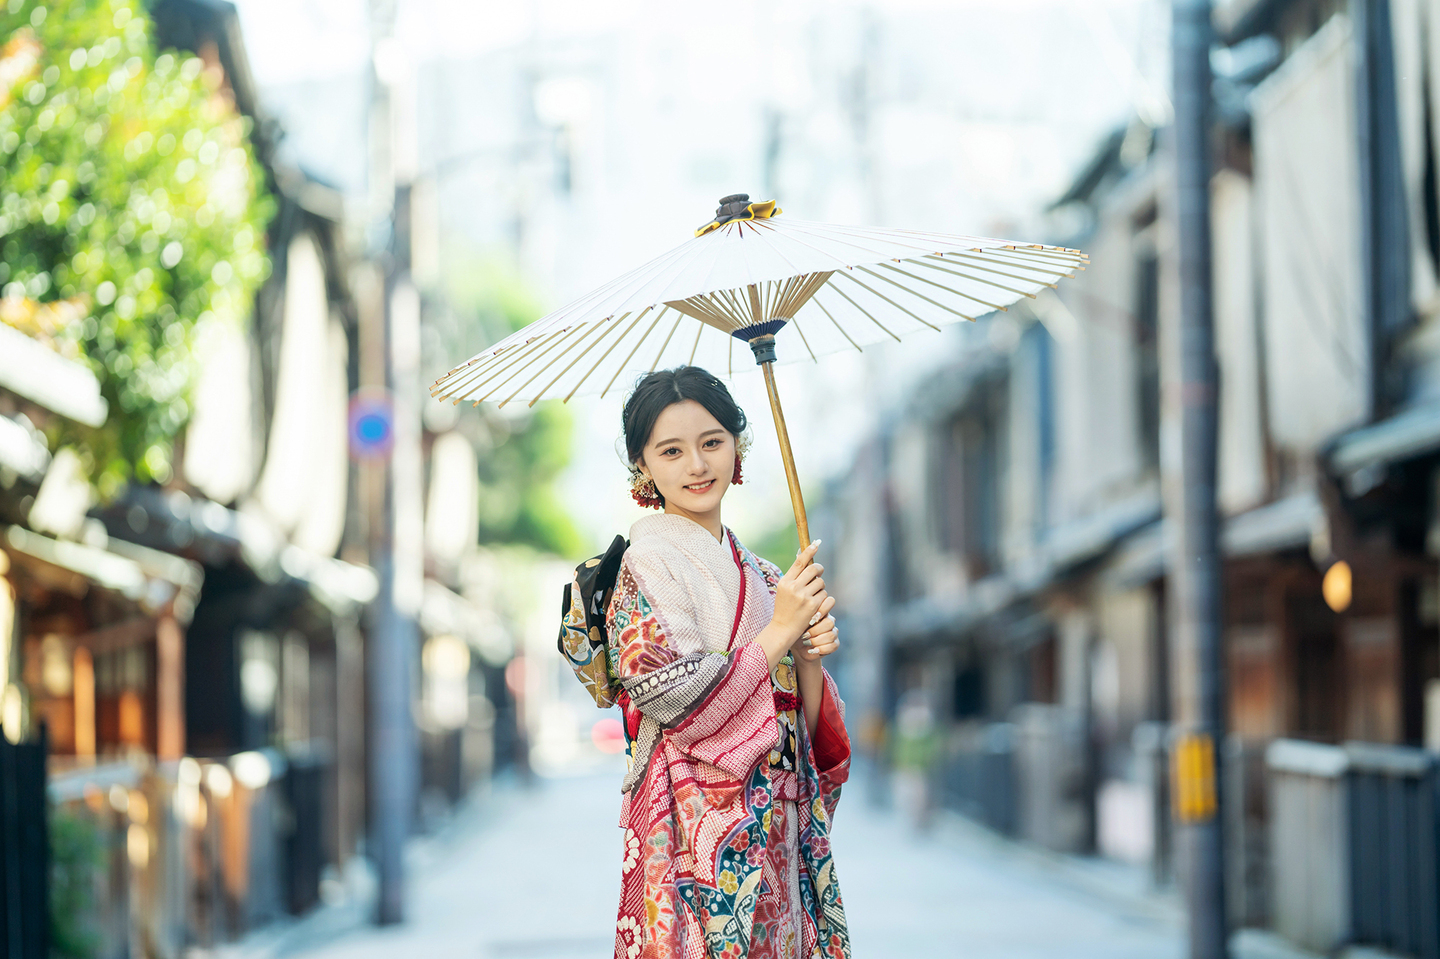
x=797, y=501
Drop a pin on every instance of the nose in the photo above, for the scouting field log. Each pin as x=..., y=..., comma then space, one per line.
x=696, y=464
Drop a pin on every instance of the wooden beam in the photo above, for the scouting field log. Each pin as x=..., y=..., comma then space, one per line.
x=122, y=635
x=169, y=688
x=83, y=690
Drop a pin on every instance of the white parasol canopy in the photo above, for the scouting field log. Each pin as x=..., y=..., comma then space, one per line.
x=787, y=289
x=836, y=287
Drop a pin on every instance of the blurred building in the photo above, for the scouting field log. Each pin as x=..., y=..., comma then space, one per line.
x=193, y=655
x=1008, y=533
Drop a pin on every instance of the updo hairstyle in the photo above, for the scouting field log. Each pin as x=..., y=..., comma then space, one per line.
x=655, y=391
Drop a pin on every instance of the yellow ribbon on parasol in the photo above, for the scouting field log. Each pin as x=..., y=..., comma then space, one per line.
x=737, y=206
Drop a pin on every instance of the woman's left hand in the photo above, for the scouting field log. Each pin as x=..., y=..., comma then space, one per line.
x=819, y=640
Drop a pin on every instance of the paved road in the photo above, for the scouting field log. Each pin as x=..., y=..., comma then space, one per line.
x=534, y=875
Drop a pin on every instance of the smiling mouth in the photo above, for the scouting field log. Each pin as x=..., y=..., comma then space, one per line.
x=700, y=487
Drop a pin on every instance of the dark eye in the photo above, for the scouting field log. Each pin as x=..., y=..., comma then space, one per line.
x=712, y=442
x=673, y=449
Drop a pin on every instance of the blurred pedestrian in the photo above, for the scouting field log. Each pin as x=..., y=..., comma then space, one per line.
x=916, y=746
x=735, y=731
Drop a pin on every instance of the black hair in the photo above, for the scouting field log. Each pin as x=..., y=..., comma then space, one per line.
x=662, y=388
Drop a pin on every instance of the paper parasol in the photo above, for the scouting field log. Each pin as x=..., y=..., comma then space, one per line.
x=781, y=286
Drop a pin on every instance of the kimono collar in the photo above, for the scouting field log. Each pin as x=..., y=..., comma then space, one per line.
x=691, y=582
x=686, y=534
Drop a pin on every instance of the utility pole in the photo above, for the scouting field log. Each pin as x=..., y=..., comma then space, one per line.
x=1383, y=220
x=1200, y=690
x=397, y=550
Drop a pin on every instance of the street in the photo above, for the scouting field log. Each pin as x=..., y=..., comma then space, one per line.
x=1115, y=402
x=533, y=874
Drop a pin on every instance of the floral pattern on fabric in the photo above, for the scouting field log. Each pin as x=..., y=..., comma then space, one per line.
x=787, y=691
x=585, y=649
x=724, y=803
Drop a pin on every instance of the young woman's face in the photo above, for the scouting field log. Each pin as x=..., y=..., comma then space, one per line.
x=690, y=456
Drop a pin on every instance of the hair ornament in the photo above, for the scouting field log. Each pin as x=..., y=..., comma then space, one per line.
x=742, y=446
x=643, y=490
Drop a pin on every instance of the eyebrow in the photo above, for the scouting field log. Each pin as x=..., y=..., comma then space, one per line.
x=702, y=436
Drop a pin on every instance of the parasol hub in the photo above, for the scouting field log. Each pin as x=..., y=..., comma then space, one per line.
x=763, y=346
x=769, y=327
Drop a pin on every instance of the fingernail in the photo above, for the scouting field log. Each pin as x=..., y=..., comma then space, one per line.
x=805, y=642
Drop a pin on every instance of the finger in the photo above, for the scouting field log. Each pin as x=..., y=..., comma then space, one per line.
x=820, y=629
x=818, y=650
x=804, y=557
x=820, y=623
x=809, y=573
x=821, y=640
x=825, y=608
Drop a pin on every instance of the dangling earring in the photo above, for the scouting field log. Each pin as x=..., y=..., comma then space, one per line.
x=742, y=446
x=642, y=488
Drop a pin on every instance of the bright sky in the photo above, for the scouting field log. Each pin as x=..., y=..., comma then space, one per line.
x=974, y=114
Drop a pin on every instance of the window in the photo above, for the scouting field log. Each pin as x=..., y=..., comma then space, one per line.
x=969, y=488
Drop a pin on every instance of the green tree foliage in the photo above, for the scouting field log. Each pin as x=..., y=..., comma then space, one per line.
x=518, y=468
x=521, y=451
x=133, y=210
x=76, y=855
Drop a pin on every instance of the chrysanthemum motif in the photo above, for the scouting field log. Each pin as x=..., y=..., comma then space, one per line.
x=629, y=932
x=729, y=883
x=632, y=851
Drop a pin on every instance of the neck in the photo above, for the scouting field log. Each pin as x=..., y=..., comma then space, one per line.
x=710, y=520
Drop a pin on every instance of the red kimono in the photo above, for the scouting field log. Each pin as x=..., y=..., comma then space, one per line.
x=728, y=799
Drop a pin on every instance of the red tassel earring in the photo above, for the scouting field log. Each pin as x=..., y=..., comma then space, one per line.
x=737, y=480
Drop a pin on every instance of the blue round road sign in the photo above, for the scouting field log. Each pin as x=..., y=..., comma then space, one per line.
x=372, y=425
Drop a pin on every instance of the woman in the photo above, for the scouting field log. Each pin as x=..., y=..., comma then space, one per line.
x=736, y=737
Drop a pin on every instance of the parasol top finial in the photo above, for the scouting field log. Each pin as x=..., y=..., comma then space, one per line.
x=732, y=205
x=737, y=206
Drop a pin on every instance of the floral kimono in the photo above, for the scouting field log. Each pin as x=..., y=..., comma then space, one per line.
x=728, y=799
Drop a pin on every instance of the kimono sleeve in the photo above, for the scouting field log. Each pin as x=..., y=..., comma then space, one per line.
x=831, y=746
x=829, y=742
x=718, y=708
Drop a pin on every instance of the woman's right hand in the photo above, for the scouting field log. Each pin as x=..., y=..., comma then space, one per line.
x=798, y=595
